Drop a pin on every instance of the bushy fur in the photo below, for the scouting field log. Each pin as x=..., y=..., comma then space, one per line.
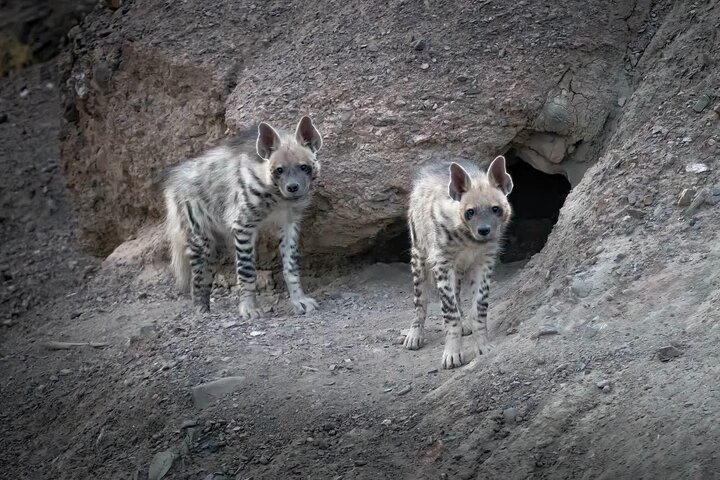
x=457, y=216
x=221, y=198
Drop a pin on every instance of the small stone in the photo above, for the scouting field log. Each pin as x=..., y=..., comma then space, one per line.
x=257, y=333
x=686, y=197
x=420, y=45
x=606, y=388
x=188, y=423
x=102, y=74
x=635, y=213
x=425, y=66
x=510, y=414
x=696, y=168
x=717, y=109
x=666, y=354
x=621, y=101
x=387, y=422
x=581, y=288
x=65, y=371
x=264, y=460
x=404, y=390
x=206, y=394
x=545, y=330
x=701, y=103
x=602, y=384
x=359, y=463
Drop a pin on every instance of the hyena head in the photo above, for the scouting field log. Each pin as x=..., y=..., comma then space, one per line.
x=291, y=160
x=482, y=203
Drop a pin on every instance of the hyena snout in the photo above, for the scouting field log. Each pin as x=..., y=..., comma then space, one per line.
x=293, y=187
x=484, y=230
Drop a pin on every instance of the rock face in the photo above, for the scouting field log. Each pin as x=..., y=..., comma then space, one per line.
x=154, y=82
x=35, y=31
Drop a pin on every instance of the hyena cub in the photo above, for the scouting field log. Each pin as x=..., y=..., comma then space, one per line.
x=223, y=197
x=457, y=216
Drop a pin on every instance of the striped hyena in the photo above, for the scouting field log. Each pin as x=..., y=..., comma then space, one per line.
x=457, y=216
x=224, y=196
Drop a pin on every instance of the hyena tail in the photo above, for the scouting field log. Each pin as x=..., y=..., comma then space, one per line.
x=177, y=234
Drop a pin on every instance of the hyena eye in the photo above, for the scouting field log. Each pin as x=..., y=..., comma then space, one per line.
x=497, y=210
x=305, y=168
x=469, y=213
x=279, y=171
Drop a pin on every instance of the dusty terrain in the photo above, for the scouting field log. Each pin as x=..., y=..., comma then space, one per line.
x=607, y=363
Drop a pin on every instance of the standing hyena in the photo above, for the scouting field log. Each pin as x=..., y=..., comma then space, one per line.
x=222, y=197
x=457, y=216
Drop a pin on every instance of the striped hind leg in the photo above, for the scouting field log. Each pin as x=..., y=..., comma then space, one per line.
x=416, y=337
x=202, y=264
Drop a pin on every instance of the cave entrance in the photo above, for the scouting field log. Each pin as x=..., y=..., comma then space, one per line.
x=536, y=199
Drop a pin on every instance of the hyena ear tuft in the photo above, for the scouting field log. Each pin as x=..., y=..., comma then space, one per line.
x=459, y=181
x=268, y=140
x=307, y=135
x=498, y=176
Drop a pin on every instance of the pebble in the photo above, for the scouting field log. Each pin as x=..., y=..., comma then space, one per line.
x=580, y=287
x=668, y=353
x=387, y=422
x=510, y=414
x=420, y=45
x=686, y=197
x=544, y=331
x=65, y=371
x=206, y=394
x=188, y=423
x=425, y=66
x=701, y=103
x=404, y=390
x=603, y=383
x=696, y=168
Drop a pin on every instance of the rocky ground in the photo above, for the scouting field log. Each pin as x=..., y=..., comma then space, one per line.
x=607, y=363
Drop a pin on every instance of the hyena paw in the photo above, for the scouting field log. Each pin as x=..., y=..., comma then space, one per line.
x=414, y=339
x=249, y=310
x=466, y=328
x=452, y=355
x=201, y=306
x=304, y=305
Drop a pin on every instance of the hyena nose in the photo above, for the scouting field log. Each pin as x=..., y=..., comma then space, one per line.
x=293, y=187
x=484, y=230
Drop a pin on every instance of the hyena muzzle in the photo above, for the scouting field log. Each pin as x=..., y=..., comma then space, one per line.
x=222, y=198
x=457, y=216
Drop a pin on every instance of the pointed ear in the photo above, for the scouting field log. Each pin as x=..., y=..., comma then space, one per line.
x=268, y=140
x=498, y=176
x=307, y=135
x=459, y=181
